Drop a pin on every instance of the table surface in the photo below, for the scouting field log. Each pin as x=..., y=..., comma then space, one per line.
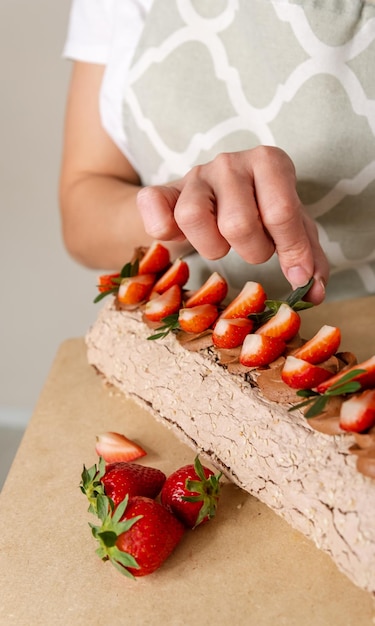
x=247, y=567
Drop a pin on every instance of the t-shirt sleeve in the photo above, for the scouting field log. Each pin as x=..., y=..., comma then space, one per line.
x=89, y=31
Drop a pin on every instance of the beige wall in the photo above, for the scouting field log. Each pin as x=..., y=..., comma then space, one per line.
x=45, y=296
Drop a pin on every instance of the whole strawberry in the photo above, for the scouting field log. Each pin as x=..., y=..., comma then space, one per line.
x=132, y=479
x=137, y=536
x=116, y=480
x=191, y=493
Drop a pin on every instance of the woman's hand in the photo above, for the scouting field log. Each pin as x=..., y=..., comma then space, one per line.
x=241, y=200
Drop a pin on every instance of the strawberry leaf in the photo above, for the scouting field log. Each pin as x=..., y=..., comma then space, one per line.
x=294, y=300
x=346, y=385
x=296, y=297
x=307, y=393
x=103, y=506
x=170, y=324
x=130, y=269
x=301, y=305
x=206, y=490
x=122, y=560
x=317, y=407
x=103, y=294
x=91, y=485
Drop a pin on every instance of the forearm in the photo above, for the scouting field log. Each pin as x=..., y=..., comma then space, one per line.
x=98, y=185
x=101, y=223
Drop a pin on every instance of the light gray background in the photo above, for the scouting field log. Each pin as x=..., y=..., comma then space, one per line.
x=45, y=296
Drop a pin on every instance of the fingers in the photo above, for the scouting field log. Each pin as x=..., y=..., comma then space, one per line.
x=246, y=201
x=321, y=266
x=214, y=207
x=283, y=216
x=196, y=213
x=293, y=232
x=156, y=206
x=237, y=215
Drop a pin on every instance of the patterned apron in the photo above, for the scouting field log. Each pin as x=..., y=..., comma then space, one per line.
x=224, y=75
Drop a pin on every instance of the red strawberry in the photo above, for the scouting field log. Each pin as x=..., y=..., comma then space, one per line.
x=260, y=350
x=230, y=333
x=115, y=447
x=197, y=318
x=121, y=479
x=366, y=378
x=191, y=493
x=251, y=299
x=283, y=325
x=213, y=291
x=177, y=274
x=135, y=289
x=117, y=480
x=155, y=260
x=357, y=414
x=164, y=304
x=138, y=536
x=108, y=282
x=300, y=374
x=322, y=346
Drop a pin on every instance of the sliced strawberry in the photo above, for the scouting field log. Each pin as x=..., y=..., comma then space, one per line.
x=164, y=304
x=213, y=291
x=251, y=299
x=284, y=324
x=197, y=319
x=155, y=260
x=300, y=374
x=114, y=447
x=108, y=282
x=177, y=274
x=135, y=289
x=230, y=333
x=358, y=412
x=260, y=350
x=366, y=378
x=322, y=346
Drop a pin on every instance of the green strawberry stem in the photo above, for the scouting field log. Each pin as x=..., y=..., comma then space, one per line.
x=107, y=534
x=346, y=385
x=207, y=490
x=91, y=484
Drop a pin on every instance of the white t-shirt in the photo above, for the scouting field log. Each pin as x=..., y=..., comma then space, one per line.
x=106, y=32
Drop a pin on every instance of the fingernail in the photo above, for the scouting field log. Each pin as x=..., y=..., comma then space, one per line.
x=297, y=276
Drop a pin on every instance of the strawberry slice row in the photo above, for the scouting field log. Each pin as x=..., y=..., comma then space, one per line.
x=158, y=284
x=354, y=384
x=260, y=328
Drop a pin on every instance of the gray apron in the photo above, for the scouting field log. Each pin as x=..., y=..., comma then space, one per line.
x=227, y=75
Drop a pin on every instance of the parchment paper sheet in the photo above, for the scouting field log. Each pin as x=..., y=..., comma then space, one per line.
x=247, y=567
